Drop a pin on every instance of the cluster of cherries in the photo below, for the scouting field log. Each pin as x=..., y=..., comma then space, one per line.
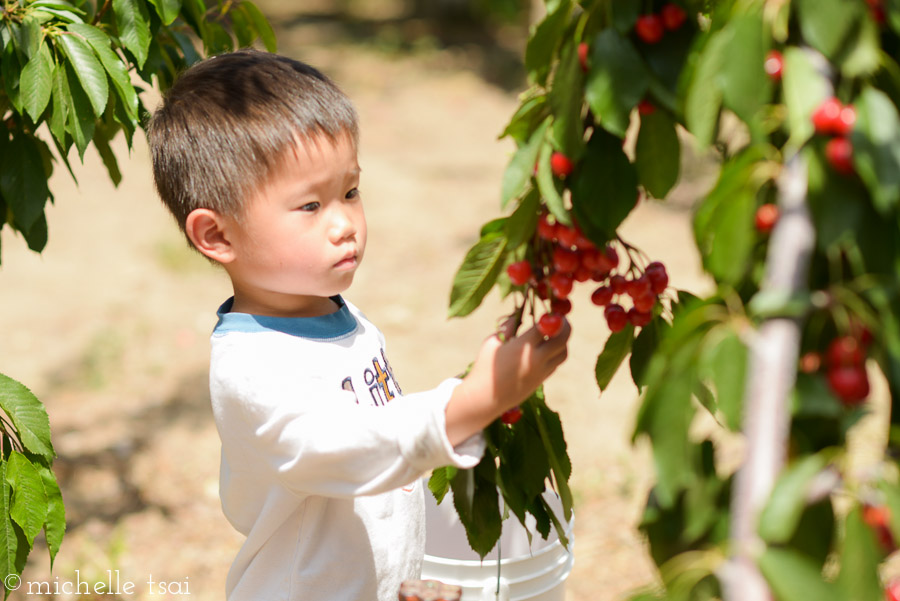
x=845, y=364
x=572, y=258
x=651, y=28
x=834, y=119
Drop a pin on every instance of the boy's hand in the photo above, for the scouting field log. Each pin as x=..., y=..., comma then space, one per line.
x=505, y=373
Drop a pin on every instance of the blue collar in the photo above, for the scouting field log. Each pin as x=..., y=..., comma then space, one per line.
x=334, y=325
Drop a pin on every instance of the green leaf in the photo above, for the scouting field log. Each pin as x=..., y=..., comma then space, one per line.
x=795, y=577
x=10, y=71
x=521, y=224
x=825, y=24
x=643, y=348
x=782, y=512
x=28, y=416
x=657, y=154
x=133, y=23
x=215, y=39
x=23, y=182
x=532, y=112
x=90, y=73
x=60, y=96
x=439, y=482
x=242, y=29
x=477, y=274
x=804, y=88
x=521, y=167
x=115, y=68
x=860, y=559
x=703, y=100
x=101, y=143
x=617, y=347
x=260, y=24
x=742, y=77
x=566, y=99
x=29, y=505
x=550, y=186
x=550, y=428
x=543, y=42
x=13, y=546
x=876, y=145
x=604, y=187
x=167, y=10
x=80, y=120
x=55, y=525
x=616, y=82
x=477, y=504
x=725, y=362
x=36, y=81
x=28, y=36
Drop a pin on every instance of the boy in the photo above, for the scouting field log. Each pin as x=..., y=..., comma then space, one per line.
x=256, y=157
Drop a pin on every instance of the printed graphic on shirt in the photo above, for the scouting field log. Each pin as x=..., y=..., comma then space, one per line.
x=379, y=380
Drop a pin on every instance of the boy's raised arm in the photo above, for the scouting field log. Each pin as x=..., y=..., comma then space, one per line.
x=504, y=374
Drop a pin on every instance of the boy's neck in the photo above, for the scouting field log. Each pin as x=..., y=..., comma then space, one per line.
x=287, y=306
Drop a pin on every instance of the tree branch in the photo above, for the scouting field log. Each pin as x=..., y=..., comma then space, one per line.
x=771, y=376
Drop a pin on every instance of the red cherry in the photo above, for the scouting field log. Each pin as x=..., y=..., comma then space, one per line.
x=639, y=318
x=825, y=117
x=659, y=279
x=542, y=289
x=561, y=284
x=892, y=592
x=582, y=242
x=649, y=28
x=561, y=165
x=876, y=9
x=850, y=383
x=549, y=324
x=810, y=362
x=582, y=274
x=845, y=350
x=561, y=306
x=839, y=154
x=673, y=16
x=590, y=259
x=609, y=260
x=565, y=260
x=602, y=296
x=639, y=287
x=566, y=235
x=600, y=275
x=616, y=317
x=645, y=107
x=845, y=121
x=774, y=65
x=766, y=216
x=519, y=272
x=546, y=229
x=511, y=416
x=878, y=518
x=583, y=50
x=644, y=303
x=618, y=284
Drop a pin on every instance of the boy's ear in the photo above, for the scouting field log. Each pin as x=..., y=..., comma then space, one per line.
x=207, y=231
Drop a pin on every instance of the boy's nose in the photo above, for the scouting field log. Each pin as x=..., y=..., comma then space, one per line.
x=342, y=225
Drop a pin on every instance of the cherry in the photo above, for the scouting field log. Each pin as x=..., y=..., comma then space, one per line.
x=839, y=154
x=561, y=165
x=545, y=228
x=583, y=50
x=644, y=302
x=639, y=318
x=550, y=324
x=590, y=259
x=878, y=518
x=542, y=289
x=774, y=65
x=582, y=242
x=649, y=28
x=511, y=416
x=639, y=287
x=892, y=592
x=566, y=235
x=826, y=115
x=845, y=121
x=519, y=272
x=876, y=9
x=766, y=216
x=616, y=317
x=850, y=383
x=810, y=362
x=618, y=284
x=645, y=107
x=659, y=279
x=565, y=260
x=561, y=284
x=610, y=258
x=673, y=16
x=602, y=296
x=561, y=306
x=582, y=274
x=845, y=350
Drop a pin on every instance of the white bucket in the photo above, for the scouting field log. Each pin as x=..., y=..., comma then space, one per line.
x=527, y=573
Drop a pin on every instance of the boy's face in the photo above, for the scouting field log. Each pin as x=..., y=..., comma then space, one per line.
x=301, y=237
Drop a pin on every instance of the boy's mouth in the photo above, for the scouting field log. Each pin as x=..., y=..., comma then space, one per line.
x=348, y=262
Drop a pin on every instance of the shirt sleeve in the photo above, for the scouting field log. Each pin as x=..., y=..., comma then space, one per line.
x=315, y=439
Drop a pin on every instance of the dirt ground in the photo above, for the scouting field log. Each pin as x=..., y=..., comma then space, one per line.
x=109, y=326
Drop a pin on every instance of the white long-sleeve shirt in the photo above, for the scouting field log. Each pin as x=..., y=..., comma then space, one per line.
x=322, y=457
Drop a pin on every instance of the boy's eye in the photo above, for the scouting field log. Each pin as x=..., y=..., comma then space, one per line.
x=310, y=206
x=354, y=193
